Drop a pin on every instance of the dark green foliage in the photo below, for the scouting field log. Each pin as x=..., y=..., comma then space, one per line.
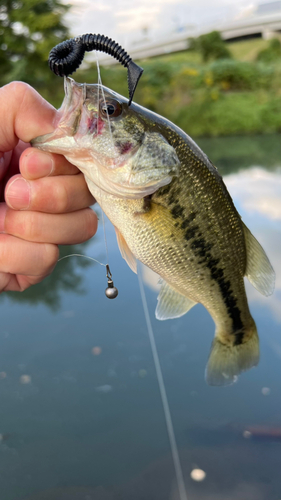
x=153, y=84
x=210, y=46
x=271, y=53
x=239, y=75
x=28, y=31
x=231, y=114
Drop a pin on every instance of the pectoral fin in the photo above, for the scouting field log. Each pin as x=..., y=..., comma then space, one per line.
x=126, y=252
x=259, y=271
x=172, y=304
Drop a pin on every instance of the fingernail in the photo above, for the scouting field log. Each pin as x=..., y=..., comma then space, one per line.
x=17, y=194
x=39, y=163
x=3, y=210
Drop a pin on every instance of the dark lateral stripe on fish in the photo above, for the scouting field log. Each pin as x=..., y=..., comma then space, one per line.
x=171, y=199
x=191, y=232
x=177, y=211
x=202, y=249
x=238, y=337
x=230, y=302
x=188, y=220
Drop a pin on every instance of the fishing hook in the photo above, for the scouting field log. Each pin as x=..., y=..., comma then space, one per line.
x=66, y=57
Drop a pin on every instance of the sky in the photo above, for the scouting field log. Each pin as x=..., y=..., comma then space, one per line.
x=127, y=21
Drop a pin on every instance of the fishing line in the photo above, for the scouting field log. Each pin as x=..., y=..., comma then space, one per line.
x=167, y=413
x=63, y=60
x=81, y=255
x=66, y=57
x=111, y=291
x=100, y=86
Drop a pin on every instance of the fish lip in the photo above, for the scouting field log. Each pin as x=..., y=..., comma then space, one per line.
x=75, y=94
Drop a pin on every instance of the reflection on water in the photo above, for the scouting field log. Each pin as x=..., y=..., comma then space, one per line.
x=66, y=276
x=81, y=416
x=232, y=154
x=257, y=194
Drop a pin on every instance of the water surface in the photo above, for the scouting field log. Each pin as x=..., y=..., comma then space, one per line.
x=81, y=416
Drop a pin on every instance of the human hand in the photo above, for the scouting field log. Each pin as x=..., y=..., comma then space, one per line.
x=44, y=205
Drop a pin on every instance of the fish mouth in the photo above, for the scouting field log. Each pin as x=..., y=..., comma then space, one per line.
x=66, y=121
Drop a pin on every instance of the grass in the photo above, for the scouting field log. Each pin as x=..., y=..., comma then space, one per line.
x=247, y=50
x=243, y=50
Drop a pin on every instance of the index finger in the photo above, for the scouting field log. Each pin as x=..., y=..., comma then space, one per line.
x=26, y=115
x=35, y=164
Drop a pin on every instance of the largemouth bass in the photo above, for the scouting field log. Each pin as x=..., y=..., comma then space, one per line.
x=171, y=211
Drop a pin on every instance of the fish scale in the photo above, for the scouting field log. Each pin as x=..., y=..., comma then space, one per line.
x=171, y=211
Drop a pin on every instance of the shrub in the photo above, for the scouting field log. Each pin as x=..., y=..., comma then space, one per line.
x=237, y=75
x=271, y=53
x=210, y=46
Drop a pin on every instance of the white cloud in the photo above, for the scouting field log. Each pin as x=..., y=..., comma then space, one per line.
x=125, y=21
x=257, y=193
x=258, y=190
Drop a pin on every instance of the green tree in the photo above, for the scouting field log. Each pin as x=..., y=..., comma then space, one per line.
x=271, y=53
x=210, y=46
x=28, y=31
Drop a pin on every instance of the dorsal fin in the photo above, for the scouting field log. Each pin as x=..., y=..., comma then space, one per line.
x=125, y=251
x=172, y=304
x=259, y=271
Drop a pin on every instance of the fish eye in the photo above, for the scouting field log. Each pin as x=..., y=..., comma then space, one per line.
x=110, y=108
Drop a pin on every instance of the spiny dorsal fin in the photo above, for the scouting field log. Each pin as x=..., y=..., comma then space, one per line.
x=126, y=252
x=259, y=271
x=172, y=304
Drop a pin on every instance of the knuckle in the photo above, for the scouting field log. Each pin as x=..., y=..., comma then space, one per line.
x=15, y=224
x=4, y=252
x=55, y=199
x=21, y=92
x=32, y=230
x=49, y=258
x=17, y=88
x=61, y=201
x=91, y=223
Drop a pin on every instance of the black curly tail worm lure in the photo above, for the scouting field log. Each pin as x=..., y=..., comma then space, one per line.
x=66, y=57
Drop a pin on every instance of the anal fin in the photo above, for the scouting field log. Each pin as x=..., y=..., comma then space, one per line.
x=172, y=304
x=126, y=252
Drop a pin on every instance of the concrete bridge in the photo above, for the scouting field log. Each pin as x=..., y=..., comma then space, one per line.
x=264, y=21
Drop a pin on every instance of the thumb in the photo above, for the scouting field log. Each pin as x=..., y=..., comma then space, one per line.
x=25, y=115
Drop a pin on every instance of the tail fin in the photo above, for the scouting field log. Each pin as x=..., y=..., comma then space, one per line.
x=228, y=361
